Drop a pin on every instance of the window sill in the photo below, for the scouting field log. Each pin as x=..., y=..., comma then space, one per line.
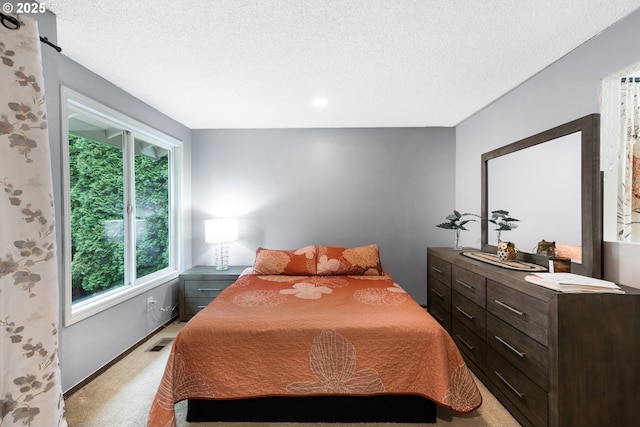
x=82, y=310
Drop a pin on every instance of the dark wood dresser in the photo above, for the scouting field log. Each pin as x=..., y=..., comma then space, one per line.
x=552, y=359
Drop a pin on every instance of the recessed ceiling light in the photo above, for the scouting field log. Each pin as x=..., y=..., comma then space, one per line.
x=320, y=102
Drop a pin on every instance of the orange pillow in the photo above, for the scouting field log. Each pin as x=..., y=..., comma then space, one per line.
x=359, y=261
x=298, y=262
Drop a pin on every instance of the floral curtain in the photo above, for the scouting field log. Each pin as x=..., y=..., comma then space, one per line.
x=30, y=389
x=629, y=189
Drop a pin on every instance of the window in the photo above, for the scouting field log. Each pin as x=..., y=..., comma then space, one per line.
x=120, y=180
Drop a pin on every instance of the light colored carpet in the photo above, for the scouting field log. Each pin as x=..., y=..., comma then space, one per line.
x=122, y=396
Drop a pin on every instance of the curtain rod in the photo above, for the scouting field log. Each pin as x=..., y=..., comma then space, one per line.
x=12, y=23
x=631, y=80
x=46, y=41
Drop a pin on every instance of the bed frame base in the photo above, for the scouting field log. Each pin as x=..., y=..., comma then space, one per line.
x=348, y=409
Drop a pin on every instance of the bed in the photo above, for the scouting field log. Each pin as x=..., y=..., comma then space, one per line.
x=319, y=330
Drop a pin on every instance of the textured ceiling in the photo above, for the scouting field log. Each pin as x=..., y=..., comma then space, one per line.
x=386, y=63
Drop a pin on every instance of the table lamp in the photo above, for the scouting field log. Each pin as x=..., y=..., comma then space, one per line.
x=221, y=231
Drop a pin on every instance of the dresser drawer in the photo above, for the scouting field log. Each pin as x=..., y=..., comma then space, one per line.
x=469, y=343
x=441, y=314
x=528, y=314
x=525, y=353
x=205, y=288
x=530, y=399
x=470, y=285
x=552, y=359
x=439, y=293
x=194, y=305
x=200, y=285
x=469, y=314
x=440, y=270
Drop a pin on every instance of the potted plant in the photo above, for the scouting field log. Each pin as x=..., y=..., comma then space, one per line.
x=456, y=221
x=502, y=221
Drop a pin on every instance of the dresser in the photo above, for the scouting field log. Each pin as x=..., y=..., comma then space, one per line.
x=552, y=359
x=199, y=285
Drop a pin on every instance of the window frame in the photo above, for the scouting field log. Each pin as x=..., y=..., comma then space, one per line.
x=72, y=100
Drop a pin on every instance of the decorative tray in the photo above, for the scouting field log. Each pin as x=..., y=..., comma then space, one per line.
x=511, y=265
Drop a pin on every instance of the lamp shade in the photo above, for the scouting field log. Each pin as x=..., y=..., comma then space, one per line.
x=220, y=230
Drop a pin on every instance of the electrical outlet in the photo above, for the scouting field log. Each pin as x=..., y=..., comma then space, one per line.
x=151, y=302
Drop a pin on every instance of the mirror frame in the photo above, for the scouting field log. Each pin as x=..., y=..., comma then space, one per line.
x=591, y=200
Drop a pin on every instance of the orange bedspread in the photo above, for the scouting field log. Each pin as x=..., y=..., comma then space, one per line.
x=301, y=335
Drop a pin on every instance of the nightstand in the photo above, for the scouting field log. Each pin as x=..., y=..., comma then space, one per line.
x=200, y=285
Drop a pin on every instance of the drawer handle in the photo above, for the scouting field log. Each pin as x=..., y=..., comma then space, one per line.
x=439, y=295
x=467, y=315
x=469, y=346
x=508, y=307
x=438, y=318
x=437, y=270
x=466, y=285
x=200, y=307
x=209, y=289
x=513, y=389
x=510, y=347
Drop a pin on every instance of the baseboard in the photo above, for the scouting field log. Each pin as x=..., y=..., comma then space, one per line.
x=121, y=356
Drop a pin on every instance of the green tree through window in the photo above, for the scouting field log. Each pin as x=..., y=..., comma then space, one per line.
x=152, y=208
x=97, y=207
x=98, y=214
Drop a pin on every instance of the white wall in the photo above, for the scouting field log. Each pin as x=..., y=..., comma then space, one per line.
x=566, y=90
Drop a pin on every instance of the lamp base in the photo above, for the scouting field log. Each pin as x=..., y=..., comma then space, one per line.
x=221, y=254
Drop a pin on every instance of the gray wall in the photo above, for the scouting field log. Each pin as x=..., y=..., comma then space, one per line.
x=344, y=187
x=566, y=90
x=91, y=343
x=88, y=345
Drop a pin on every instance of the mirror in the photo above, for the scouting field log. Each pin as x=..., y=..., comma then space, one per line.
x=556, y=161
x=551, y=183
x=620, y=155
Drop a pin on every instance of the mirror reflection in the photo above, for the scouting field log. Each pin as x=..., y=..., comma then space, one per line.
x=541, y=187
